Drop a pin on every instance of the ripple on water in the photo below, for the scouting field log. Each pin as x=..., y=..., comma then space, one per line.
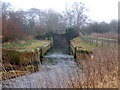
x=55, y=69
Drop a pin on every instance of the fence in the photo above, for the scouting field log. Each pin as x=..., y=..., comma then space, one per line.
x=98, y=41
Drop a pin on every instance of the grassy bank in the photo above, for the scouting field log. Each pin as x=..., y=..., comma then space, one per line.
x=20, y=56
x=101, y=71
x=81, y=49
x=80, y=44
x=25, y=44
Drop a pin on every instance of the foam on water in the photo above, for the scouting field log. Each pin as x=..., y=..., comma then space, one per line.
x=55, y=69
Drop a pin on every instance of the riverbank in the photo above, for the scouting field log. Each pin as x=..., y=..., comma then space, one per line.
x=58, y=70
x=81, y=49
x=23, y=57
x=100, y=67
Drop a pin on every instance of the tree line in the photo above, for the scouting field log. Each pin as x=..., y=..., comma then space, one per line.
x=20, y=24
x=101, y=27
x=23, y=25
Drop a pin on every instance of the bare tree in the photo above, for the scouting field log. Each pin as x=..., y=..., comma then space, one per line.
x=75, y=14
x=69, y=16
x=54, y=21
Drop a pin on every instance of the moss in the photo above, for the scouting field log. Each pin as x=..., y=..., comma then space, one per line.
x=28, y=44
x=29, y=53
x=84, y=51
x=80, y=44
x=80, y=49
x=19, y=44
x=13, y=55
x=30, y=68
x=12, y=74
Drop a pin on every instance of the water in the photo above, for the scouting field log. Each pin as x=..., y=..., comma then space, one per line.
x=58, y=70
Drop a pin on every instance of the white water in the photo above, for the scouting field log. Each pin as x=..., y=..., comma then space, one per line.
x=55, y=72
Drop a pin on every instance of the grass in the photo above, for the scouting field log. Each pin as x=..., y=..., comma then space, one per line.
x=13, y=74
x=80, y=44
x=102, y=70
x=110, y=35
x=15, y=53
x=18, y=44
x=99, y=72
x=26, y=45
x=26, y=52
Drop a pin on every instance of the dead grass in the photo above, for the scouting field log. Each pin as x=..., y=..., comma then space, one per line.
x=110, y=35
x=25, y=45
x=99, y=72
x=78, y=42
x=102, y=71
x=12, y=74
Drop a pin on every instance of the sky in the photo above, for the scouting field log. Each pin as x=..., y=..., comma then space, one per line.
x=98, y=10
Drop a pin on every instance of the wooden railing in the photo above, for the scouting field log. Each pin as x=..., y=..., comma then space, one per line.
x=98, y=41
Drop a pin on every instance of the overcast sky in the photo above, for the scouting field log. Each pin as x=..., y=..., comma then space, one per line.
x=99, y=10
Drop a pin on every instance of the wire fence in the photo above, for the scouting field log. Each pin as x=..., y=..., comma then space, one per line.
x=98, y=41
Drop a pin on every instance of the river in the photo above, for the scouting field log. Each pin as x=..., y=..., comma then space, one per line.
x=58, y=70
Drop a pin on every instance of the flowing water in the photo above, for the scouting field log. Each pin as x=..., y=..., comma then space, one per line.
x=58, y=70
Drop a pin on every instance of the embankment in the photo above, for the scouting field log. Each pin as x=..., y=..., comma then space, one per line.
x=100, y=67
x=20, y=57
x=80, y=49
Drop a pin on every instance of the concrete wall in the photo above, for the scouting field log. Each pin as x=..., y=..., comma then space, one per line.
x=26, y=56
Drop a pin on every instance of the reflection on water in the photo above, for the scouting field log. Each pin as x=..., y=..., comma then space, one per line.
x=57, y=70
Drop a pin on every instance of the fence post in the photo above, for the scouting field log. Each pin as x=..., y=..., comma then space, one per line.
x=102, y=42
x=41, y=54
x=108, y=42
x=75, y=52
x=96, y=41
x=114, y=43
x=90, y=40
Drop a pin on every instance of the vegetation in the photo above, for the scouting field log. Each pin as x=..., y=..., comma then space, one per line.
x=100, y=67
x=17, y=44
x=80, y=44
x=102, y=27
x=97, y=69
x=22, y=25
x=102, y=70
x=110, y=35
x=26, y=44
x=12, y=74
x=99, y=72
x=23, y=53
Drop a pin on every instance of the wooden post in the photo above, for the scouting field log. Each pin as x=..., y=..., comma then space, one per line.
x=75, y=52
x=90, y=41
x=114, y=44
x=51, y=45
x=108, y=42
x=102, y=42
x=41, y=55
x=96, y=42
